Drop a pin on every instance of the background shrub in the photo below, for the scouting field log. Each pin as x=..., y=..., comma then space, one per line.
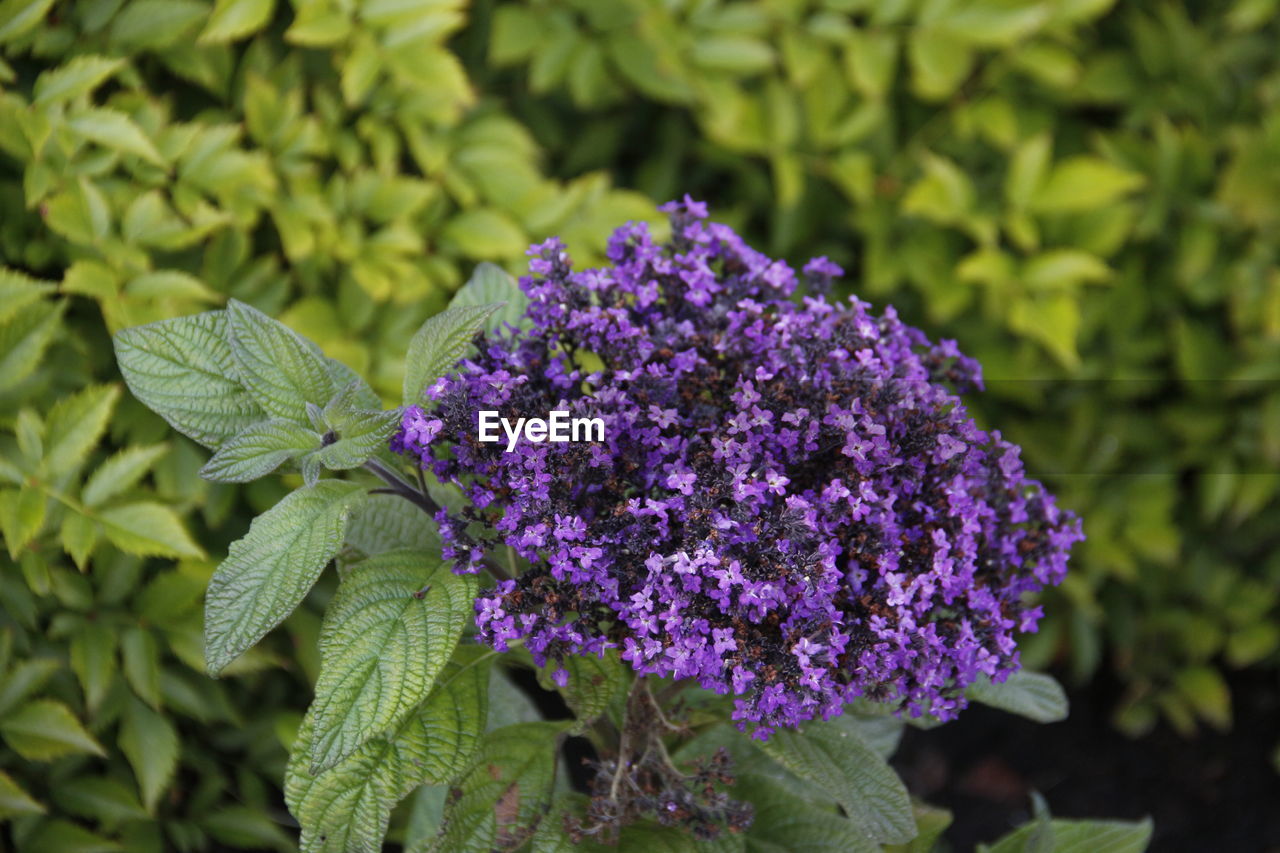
x=1084, y=196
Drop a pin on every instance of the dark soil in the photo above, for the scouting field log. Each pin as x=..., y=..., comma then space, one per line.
x=1213, y=792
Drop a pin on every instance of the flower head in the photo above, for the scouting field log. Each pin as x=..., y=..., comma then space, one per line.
x=791, y=505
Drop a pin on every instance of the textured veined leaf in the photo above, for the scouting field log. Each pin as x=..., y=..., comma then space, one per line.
x=388, y=632
x=150, y=744
x=590, y=684
x=269, y=571
x=43, y=730
x=388, y=523
x=183, y=370
x=148, y=529
x=881, y=732
x=1033, y=695
x=14, y=801
x=490, y=284
x=259, y=449
x=75, y=425
x=78, y=77
x=506, y=792
x=359, y=439
x=1080, y=836
x=279, y=368
x=235, y=19
x=115, y=130
x=120, y=473
x=784, y=821
x=363, y=396
x=437, y=346
x=836, y=760
x=346, y=808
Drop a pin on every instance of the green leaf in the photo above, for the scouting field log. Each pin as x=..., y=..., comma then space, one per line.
x=1057, y=269
x=360, y=437
x=785, y=821
x=346, y=809
x=141, y=659
x=246, y=828
x=99, y=798
x=183, y=370
x=60, y=836
x=389, y=522
x=507, y=791
x=24, y=339
x=149, y=530
x=24, y=680
x=1027, y=170
x=278, y=367
x=839, y=764
x=932, y=822
x=120, y=473
x=1205, y=690
x=259, y=449
x=1084, y=183
x=78, y=77
x=1053, y=320
x=939, y=63
x=113, y=129
x=592, y=683
x=269, y=571
x=438, y=345
x=382, y=646
x=1080, y=836
x=79, y=536
x=14, y=801
x=79, y=213
x=484, y=234
x=155, y=24
x=43, y=730
x=944, y=195
x=996, y=23
x=235, y=19
x=93, y=660
x=1033, y=695
x=490, y=284
x=150, y=744
x=741, y=55
x=22, y=515
x=75, y=425
x=18, y=290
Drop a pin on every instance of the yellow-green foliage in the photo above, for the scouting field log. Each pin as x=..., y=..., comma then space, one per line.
x=1085, y=196
x=332, y=164
x=1084, y=193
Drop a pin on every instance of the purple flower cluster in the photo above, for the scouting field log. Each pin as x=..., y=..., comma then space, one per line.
x=791, y=504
